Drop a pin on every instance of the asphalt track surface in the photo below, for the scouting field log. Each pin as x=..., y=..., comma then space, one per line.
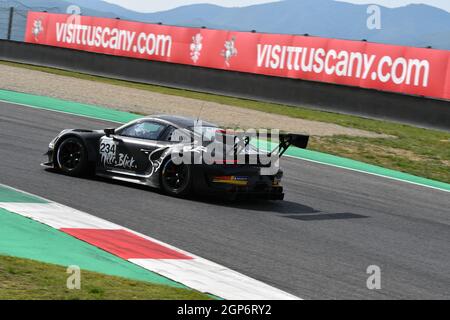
x=317, y=244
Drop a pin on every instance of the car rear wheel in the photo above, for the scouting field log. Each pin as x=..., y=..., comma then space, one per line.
x=71, y=157
x=175, y=179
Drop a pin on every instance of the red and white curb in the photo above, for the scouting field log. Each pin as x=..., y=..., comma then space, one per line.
x=151, y=254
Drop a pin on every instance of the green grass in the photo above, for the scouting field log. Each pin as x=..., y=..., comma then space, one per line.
x=418, y=151
x=23, y=279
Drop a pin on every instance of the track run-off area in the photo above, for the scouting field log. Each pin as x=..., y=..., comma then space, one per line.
x=317, y=244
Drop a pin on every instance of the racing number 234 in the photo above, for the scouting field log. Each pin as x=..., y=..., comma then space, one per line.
x=107, y=148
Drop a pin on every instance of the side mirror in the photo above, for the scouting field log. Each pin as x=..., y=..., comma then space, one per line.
x=109, y=132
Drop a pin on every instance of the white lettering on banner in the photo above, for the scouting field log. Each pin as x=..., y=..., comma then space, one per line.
x=400, y=69
x=116, y=39
x=344, y=64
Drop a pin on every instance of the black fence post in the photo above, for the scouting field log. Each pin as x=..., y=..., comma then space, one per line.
x=10, y=22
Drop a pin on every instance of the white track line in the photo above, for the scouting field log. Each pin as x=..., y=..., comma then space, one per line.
x=59, y=111
x=367, y=172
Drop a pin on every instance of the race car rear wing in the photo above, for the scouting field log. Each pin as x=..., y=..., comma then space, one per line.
x=285, y=140
x=290, y=139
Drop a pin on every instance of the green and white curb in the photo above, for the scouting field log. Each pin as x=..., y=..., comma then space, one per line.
x=26, y=238
x=111, y=247
x=100, y=113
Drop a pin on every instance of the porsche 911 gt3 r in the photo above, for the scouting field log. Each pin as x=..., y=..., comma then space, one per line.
x=145, y=151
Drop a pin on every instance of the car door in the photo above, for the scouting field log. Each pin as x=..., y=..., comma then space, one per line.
x=128, y=150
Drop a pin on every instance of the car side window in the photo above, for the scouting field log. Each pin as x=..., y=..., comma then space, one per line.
x=167, y=134
x=144, y=130
x=172, y=134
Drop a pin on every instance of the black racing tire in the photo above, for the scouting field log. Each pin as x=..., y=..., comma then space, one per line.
x=175, y=180
x=71, y=157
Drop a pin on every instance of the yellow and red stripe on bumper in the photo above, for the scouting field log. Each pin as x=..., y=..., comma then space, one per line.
x=233, y=180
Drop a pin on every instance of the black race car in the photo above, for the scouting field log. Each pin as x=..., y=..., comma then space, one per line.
x=176, y=154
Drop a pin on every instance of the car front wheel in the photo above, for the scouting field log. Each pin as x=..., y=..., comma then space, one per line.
x=71, y=157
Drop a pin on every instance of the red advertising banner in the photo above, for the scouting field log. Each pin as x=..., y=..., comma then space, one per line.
x=408, y=70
